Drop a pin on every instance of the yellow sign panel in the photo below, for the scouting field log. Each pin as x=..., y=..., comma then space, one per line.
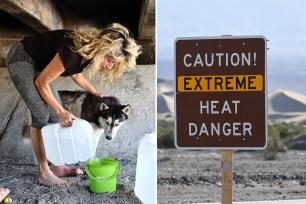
x=220, y=83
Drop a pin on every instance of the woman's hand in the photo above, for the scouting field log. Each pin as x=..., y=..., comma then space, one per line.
x=66, y=118
x=99, y=94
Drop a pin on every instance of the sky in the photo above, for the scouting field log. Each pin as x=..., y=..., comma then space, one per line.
x=282, y=22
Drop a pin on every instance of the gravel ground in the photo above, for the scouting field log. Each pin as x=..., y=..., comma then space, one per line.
x=183, y=177
x=21, y=177
x=195, y=176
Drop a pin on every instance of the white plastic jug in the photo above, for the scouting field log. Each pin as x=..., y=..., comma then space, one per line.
x=69, y=145
x=146, y=170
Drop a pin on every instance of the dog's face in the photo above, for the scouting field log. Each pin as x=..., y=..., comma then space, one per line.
x=111, y=118
x=106, y=114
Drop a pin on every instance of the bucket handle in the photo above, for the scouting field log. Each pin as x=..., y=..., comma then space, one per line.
x=118, y=168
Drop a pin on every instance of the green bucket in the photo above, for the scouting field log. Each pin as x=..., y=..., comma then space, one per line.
x=103, y=174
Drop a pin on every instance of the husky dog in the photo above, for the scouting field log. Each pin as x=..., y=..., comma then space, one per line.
x=105, y=114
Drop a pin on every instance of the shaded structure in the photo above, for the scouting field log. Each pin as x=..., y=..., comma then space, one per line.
x=19, y=18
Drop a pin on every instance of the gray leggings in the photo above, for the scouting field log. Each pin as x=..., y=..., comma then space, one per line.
x=23, y=73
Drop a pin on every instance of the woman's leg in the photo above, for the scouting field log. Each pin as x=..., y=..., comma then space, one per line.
x=22, y=72
x=60, y=171
x=46, y=176
x=23, y=76
x=65, y=171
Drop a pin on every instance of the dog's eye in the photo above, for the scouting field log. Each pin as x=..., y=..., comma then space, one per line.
x=116, y=125
x=107, y=123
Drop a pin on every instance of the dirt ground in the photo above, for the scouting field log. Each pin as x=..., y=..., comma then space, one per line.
x=194, y=176
x=21, y=177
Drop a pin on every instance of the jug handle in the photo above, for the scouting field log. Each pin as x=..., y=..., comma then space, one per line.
x=118, y=168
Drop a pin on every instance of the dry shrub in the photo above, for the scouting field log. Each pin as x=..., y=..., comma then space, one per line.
x=165, y=134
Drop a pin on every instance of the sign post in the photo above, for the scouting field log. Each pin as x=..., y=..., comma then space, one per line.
x=220, y=97
x=227, y=176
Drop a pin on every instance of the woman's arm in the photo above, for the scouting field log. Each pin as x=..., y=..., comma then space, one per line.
x=49, y=74
x=82, y=82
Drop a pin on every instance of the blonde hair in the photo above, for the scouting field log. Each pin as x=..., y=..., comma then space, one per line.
x=113, y=40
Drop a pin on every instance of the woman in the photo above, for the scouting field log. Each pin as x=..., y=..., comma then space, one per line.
x=36, y=61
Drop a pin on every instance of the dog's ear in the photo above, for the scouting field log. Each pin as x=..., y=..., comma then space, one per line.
x=103, y=107
x=126, y=109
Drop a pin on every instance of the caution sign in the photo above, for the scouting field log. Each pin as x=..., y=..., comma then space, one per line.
x=220, y=99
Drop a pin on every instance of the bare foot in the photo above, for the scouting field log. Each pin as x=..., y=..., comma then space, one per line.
x=65, y=171
x=49, y=179
x=3, y=193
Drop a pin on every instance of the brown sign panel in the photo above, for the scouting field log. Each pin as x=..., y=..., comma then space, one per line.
x=220, y=99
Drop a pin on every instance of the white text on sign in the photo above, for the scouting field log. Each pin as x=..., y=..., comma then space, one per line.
x=220, y=129
x=220, y=59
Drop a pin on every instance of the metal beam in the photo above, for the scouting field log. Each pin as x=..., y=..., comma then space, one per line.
x=40, y=15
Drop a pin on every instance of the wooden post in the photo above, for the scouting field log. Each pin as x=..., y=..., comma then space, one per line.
x=227, y=176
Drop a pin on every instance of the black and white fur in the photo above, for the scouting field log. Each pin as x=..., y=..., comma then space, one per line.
x=106, y=114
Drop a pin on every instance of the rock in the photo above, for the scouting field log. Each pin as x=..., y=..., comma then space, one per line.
x=296, y=143
x=187, y=180
x=302, y=182
x=278, y=192
x=284, y=177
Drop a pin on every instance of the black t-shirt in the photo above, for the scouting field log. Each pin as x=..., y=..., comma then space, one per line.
x=43, y=47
